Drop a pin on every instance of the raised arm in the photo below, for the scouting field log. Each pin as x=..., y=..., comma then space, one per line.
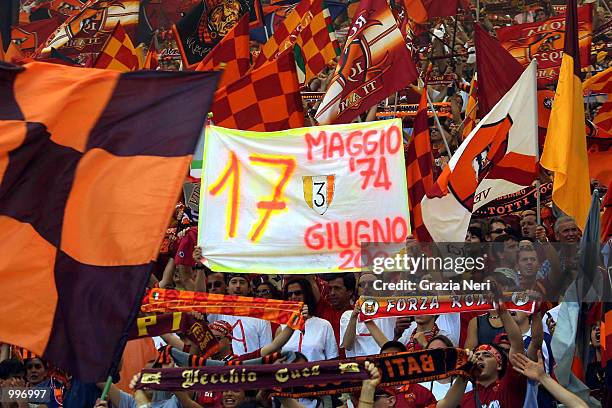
x=534, y=370
x=453, y=397
x=514, y=333
x=537, y=336
x=368, y=387
x=471, y=340
x=281, y=337
x=376, y=333
x=168, y=274
x=350, y=334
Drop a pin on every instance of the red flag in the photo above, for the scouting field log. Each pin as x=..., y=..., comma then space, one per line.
x=423, y=10
x=265, y=100
x=152, y=59
x=493, y=81
x=233, y=51
x=30, y=36
x=419, y=169
x=374, y=64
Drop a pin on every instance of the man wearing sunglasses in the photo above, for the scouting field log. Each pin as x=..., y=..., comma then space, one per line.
x=497, y=227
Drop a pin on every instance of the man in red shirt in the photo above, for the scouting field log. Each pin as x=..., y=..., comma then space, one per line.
x=498, y=385
x=341, y=288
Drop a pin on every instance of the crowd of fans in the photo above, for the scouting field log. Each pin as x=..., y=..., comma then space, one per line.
x=511, y=351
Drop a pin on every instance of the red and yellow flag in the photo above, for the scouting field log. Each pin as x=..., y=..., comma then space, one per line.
x=265, y=100
x=309, y=29
x=118, y=52
x=565, y=149
x=233, y=51
x=419, y=168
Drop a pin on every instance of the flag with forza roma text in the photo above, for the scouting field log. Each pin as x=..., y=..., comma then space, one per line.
x=374, y=64
x=496, y=159
x=89, y=177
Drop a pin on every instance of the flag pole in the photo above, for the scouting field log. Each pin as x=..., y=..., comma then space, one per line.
x=468, y=114
x=477, y=11
x=437, y=121
x=537, y=156
x=107, y=385
x=395, y=106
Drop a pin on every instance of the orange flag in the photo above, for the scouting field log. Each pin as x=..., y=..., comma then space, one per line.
x=565, y=149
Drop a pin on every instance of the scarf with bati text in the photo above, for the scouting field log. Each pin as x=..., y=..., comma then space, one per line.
x=278, y=311
x=314, y=378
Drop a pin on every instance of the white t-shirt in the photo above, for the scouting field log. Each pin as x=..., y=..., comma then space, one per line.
x=365, y=345
x=439, y=389
x=448, y=323
x=250, y=334
x=316, y=343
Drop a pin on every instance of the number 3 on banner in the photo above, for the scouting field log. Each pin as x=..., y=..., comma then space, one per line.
x=232, y=170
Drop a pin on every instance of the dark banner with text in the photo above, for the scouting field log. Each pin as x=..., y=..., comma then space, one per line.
x=310, y=379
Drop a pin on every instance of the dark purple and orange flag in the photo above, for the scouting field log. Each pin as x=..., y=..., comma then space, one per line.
x=419, y=169
x=266, y=100
x=565, y=148
x=233, y=51
x=89, y=175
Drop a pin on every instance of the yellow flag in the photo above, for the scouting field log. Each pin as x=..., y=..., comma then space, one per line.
x=565, y=149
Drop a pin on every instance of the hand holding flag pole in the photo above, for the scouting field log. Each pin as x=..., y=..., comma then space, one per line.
x=438, y=125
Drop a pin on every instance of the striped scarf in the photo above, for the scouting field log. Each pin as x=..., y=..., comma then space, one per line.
x=414, y=345
x=278, y=311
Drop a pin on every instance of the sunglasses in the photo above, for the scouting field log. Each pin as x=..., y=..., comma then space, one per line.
x=498, y=231
x=215, y=284
x=365, y=284
x=34, y=366
x=263, y=292
x=295, y=293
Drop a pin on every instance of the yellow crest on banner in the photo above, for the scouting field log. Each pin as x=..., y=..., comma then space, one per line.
x=319, y=192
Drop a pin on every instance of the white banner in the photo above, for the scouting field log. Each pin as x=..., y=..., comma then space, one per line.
x=301, y=200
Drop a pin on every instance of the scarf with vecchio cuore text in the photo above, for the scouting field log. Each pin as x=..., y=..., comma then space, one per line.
x=313, y=378
x=278, y=311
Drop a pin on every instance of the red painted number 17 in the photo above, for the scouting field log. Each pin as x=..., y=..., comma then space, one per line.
x=231, y=177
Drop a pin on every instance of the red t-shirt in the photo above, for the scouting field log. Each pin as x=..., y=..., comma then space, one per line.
x=326, y=311
x=509, y=392
x=414, y=396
